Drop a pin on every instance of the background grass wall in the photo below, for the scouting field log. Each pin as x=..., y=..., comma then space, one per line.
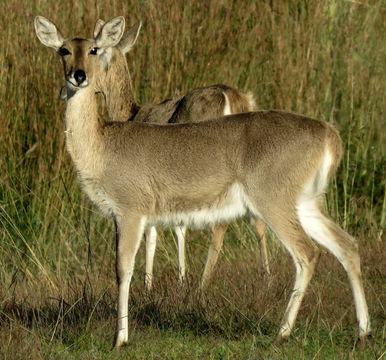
x=324, y=59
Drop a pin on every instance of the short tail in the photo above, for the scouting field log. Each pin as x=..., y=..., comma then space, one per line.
x=329, y=161
x=239, y=102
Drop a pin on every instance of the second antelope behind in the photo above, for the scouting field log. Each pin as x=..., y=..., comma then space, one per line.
x=273, y=165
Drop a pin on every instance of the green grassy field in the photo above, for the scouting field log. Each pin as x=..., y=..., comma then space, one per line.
x=325, y=59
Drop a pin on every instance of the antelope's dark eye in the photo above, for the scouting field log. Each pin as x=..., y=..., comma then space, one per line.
x=63, y=52
x=94, y=51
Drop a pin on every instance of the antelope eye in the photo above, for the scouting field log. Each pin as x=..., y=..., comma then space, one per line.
x=63, y=52
x=94, y=51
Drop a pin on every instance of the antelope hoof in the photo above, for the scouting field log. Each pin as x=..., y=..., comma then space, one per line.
x=121, y=340
x=266, y=275
x=281, y=339
x=203, y=286
x=363, y=340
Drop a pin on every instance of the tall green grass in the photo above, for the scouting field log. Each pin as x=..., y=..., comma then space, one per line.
x=322, y=59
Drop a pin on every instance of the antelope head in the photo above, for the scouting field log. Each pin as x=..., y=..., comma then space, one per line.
x=82, y=58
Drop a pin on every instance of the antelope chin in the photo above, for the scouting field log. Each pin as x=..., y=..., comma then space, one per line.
x=75, y=87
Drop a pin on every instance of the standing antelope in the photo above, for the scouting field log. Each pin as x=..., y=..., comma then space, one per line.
x=201, y=104
x=274, y=165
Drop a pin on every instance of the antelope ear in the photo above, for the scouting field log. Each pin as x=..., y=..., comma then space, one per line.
x=98, y=26
x=111, y=33
x=129, y=38
x=47, y=33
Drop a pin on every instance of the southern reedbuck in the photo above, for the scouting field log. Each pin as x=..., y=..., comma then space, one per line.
x=274, y=165
x=201, y=104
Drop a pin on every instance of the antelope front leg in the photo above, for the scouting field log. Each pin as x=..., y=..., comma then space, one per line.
x=129, y=234
x=214, y=251
x=180, y=232
x=151, y=243
x=260, y=230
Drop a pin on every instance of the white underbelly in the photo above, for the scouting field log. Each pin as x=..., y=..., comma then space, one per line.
x=234, y=205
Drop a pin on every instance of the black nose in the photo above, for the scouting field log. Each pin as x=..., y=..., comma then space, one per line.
x=80, y=76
